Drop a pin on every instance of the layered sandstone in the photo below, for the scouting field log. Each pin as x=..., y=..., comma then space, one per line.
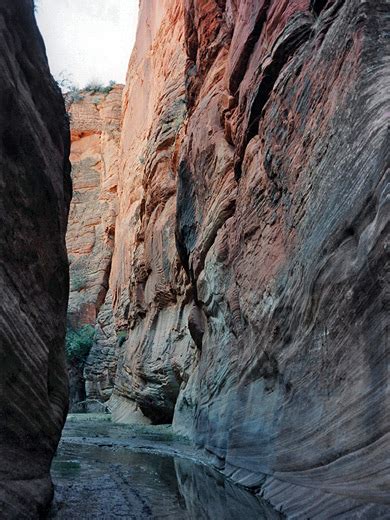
x=95, y=131
x=261, y=148
x=248, y=296
x=288, y=246
x=149, y=291
x=35, y=191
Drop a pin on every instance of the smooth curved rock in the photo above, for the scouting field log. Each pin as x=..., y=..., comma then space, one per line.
x=291, y=266
x=251, y=262
x=35, y=190
x=148, y=285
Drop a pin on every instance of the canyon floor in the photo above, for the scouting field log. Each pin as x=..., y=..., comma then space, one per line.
x=105, y=471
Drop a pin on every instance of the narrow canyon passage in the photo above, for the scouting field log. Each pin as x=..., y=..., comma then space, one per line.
x=194, y=266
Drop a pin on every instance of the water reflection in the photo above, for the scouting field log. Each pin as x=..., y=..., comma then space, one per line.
x=96, y=476
x=209, y=496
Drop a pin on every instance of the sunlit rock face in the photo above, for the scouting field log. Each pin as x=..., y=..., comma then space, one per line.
x=95, y=134
x=95, y=125
x=35, y=191
x=150, y=293
x=283, y=226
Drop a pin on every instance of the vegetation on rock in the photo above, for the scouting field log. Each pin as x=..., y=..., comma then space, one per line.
x=95, y=87
x=79, y=343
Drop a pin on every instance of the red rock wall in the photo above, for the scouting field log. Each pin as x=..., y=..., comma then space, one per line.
x=35, y=191
x=95, y=135
x=250, y=267
x=95, y=132
x=149, y=291
x=282, y=220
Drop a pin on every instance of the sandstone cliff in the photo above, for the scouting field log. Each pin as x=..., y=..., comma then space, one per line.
x=95, y=131
x=250, y=264
x=283, y=178
x=34, y=196
x=149, y=291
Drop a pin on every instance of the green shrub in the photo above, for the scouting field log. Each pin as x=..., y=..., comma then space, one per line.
x=64, y=81
x=74, y=95
x=95, y=87
x=78, y=344
x=111, y=85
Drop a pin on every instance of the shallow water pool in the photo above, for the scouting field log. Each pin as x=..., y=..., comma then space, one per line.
x=109, y=471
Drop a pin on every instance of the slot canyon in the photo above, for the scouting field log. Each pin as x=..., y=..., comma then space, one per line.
x=196, y=265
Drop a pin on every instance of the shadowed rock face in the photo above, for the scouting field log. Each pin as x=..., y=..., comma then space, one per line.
x=34, y=197
x=283, y=178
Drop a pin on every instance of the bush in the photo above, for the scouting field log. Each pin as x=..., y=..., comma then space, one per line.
x=74, y=95
x=64, y=81
x=78, y=344
x=95, y=87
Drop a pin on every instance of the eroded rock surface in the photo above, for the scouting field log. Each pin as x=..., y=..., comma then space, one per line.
x=95, y=125
x=35, y=191
x=149, y=290
x=283, y=175
x=95, y=133
x=250, y=271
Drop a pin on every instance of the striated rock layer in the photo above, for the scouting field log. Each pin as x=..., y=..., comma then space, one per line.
x=254, y=132
x=95, y=123
x=249, y=287
x=35, y=190
x=149, y=290
x=95, y=132
x=283, y=178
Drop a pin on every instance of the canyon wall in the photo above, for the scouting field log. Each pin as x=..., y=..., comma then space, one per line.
x=282, y=225
x=250, y=269
x=35, y=190
x=95, y=133
x=149, y=291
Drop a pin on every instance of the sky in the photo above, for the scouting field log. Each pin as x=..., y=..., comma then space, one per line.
x=88, y=40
